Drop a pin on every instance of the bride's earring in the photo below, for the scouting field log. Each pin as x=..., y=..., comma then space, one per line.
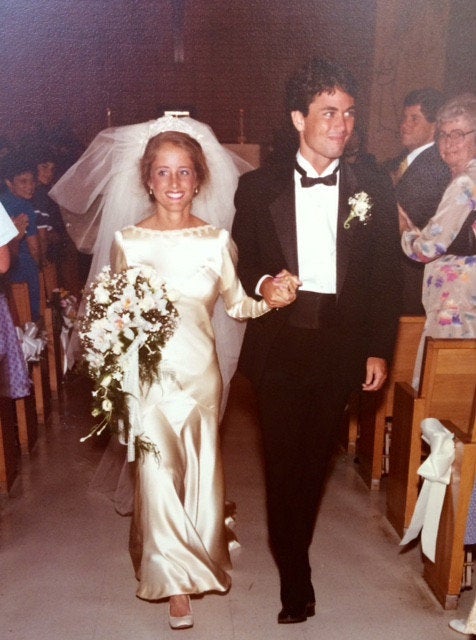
x=151, y=193
x=195, y=191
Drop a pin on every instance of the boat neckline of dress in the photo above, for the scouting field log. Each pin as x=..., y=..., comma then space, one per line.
x=187, y=230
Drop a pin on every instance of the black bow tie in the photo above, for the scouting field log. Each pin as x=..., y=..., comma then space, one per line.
x=329, y=180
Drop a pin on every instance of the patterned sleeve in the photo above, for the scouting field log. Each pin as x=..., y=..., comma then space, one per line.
x=432, y=241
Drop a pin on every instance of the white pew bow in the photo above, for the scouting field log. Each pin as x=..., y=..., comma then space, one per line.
x=32, y=343
x=436, y=471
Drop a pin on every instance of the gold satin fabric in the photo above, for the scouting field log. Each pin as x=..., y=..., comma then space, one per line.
x=178, y=540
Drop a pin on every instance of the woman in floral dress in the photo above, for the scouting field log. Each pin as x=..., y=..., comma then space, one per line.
x=448, y=242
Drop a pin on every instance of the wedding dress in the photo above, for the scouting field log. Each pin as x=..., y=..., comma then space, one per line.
x=178, y=538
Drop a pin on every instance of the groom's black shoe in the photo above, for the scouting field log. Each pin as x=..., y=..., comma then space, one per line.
x=291, y=616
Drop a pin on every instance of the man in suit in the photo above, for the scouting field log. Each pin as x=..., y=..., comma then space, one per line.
x=420, y=177
x=339, y=239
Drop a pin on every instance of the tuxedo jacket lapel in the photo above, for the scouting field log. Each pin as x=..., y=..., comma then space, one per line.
x=283, y=214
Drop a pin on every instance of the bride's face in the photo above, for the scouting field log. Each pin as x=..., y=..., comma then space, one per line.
x=173, y=179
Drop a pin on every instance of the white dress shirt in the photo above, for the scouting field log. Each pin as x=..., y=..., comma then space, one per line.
x=316, y=224
x=416, y=152
x=316, y=228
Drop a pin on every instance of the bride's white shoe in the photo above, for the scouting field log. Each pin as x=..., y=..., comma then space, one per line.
x=181, y=622
x=458, y=625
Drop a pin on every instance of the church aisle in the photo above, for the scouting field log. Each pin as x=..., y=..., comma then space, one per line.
x=66, y=574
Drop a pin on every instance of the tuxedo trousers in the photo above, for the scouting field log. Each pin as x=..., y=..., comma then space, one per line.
x=300, y=403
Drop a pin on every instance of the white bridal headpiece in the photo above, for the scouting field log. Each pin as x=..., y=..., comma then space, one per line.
x=102, y=192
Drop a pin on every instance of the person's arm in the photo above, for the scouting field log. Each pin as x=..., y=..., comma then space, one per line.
x=383, y=282
x=4, y=258
x=431, y=242
x=250, y=224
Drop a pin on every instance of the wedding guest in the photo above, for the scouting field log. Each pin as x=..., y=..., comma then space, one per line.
x=178, y=537
x=20, y=176
x=335, y=226
x=447, y=243
x=14, y=379
x=49, y=217
x=420, y=178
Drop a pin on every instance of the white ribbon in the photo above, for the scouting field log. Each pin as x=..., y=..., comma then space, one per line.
x=32, y=344
x=436, y=471
x=65, y=337
x=131, y=386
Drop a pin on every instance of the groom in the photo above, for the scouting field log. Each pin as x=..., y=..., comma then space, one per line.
x=335, y=227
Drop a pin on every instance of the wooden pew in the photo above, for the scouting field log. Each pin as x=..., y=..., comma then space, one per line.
x=9, y=453
x=38, y=370
x=374, y=409
x=444, y=576
x=48, y=283
x=447, y=387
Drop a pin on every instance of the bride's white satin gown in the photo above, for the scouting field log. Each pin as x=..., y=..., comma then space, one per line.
x=178, y=538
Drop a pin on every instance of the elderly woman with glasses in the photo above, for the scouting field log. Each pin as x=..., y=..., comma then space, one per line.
x=447, y=244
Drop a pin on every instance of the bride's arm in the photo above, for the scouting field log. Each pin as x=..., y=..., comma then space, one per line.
x=238, y=305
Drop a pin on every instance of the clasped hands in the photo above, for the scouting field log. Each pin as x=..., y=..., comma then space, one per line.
x=281, y=290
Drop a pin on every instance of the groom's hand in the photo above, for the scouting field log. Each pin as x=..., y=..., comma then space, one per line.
x=376, y=374
x=281, y=290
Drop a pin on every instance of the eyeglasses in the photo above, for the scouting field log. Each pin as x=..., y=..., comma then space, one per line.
x=455, y=136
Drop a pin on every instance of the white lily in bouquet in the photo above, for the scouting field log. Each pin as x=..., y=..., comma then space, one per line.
x=128, y=319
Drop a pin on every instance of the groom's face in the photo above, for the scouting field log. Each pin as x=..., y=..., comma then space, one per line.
x=324, y=132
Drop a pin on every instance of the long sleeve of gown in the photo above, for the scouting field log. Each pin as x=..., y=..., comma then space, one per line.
x=237, y=304
x=433, y=240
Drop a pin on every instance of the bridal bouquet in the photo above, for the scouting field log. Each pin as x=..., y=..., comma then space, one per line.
x=128, y=319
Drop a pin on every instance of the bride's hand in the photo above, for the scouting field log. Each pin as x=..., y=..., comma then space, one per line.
x=280, y=290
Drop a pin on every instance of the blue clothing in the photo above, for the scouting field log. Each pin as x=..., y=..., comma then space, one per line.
x=24, y=268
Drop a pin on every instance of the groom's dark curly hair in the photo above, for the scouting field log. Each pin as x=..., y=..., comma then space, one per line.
x=317, y=76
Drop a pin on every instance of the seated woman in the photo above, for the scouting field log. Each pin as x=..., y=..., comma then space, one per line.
x=14, y=380
x=448, y=242
x=19, y=175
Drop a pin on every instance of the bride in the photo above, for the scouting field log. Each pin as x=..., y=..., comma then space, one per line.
x=178, y=540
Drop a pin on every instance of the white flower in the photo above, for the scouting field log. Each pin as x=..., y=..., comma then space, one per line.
x=360, y=205
x=131, y=275
x=127, y=314
x=173, y=295
x=106, y=405
x=106, y=381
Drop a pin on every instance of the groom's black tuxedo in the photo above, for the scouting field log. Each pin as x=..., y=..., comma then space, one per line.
x=305, y=358
x=368, y=280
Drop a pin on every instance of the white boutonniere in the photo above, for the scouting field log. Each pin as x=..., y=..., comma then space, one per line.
x=360, y=205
